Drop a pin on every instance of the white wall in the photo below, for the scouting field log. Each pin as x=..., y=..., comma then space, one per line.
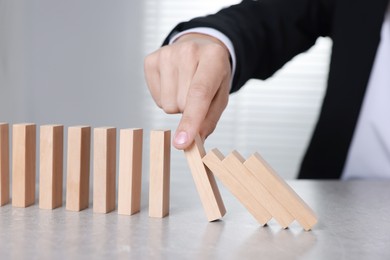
x=81, y=62
x=72, y=62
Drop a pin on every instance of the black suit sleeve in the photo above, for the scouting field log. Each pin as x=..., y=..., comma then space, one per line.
x=267, y=33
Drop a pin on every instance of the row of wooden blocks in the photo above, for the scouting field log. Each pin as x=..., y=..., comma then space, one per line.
x=252, y=181
x=78, y=168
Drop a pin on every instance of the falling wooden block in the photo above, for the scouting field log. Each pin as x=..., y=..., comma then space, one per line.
x=77, y=180
x=104, y=169
x=4, y=164
x=23, y=164
x=51, y=166
x=213, y=161
x=204, y=181
x=160, y=156
x=130, y=171
x=234, y=162
x=286, y=196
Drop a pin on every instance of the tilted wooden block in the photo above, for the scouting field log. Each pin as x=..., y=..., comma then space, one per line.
x=130, y=171
x=160, y=156
x=104, y=169
x=78, y=167
x=51, y=166
x=23, y=164
x=286, y=196
x=231, y=180
x=204, y=181
x=4, y=163
x=234, y=162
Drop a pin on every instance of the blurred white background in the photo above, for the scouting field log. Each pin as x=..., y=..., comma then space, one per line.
x=81, y=62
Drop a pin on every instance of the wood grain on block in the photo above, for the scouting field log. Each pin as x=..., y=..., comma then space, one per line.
x=4, y=163
x=51, y=166
x=104, y=169
x=78, y=167
x=234, y=162
x=23, y=164
x=213, y=161
x=204, y=181
x=130, y=171
x=281, y=191
x=160, y=156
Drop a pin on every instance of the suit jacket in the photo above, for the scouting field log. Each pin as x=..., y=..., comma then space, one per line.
x=268, y=33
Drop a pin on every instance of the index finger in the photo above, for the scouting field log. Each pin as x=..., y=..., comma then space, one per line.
x=207, y=79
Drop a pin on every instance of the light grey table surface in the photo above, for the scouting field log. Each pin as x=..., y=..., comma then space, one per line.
x=354, y=223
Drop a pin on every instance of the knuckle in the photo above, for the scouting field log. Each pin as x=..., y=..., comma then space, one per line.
x=150, y=62
x=181, y=103
x=165, y=54
x=220, y=59
x=188, y=49
x=216, y=50
x=155, y=97
x=157, y=100
x=170, y=108
x=199, y=91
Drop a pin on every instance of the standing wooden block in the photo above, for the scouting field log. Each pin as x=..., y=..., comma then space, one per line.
x=204, y=181
x=4, y=164
x=213, y=161
x=77, y=183
x=281, y=191
x=104, y=169
x=130, y=171
x=160, y=157
x=23, y=164
x=51, y=166
x=234, y=162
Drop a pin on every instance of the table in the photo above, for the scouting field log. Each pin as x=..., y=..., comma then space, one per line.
x=354, y=223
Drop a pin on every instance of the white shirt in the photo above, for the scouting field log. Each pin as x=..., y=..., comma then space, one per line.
x=369, y=154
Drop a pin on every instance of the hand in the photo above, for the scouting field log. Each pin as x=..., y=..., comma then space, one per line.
x=192, y=77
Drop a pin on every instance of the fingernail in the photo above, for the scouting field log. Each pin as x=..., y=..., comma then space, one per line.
x=181, y=138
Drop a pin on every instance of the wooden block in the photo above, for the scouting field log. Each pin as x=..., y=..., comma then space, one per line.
x=204, y=181
x=51, y=166
x=234, y=162
x=286, y=196
x=104, y=169
x=78, y=166
x=4, y=163
x=213, y=161
x=160, y=156
x=23, y=164
x=130, y=171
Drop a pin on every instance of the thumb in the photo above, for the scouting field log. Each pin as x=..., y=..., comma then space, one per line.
x=185, y=134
